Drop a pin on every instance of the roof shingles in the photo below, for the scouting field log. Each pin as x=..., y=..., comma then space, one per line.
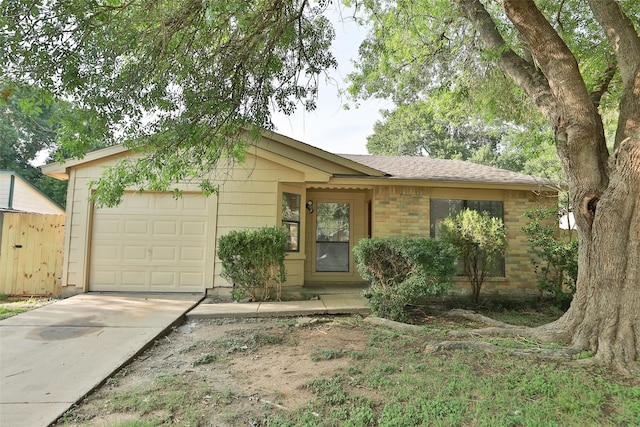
x=430, y=169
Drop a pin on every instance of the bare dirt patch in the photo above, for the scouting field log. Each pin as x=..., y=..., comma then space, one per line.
x=349, y=371
x=235, y=370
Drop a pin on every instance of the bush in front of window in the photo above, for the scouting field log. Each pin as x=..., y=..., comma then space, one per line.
x=402, y=270
x=481, y=241
x=556, y=262
x=253, y=260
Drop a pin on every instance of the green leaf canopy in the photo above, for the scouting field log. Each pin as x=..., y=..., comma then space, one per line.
x=176, y=80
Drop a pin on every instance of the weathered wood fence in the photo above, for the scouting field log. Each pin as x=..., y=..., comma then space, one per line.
x=31, y=247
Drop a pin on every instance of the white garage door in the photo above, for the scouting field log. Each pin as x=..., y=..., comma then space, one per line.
x=152, y=242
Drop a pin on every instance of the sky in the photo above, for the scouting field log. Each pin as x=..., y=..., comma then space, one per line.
x=331, y=127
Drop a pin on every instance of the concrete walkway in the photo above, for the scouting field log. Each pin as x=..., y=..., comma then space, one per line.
x=325, y=304
x=53, y=356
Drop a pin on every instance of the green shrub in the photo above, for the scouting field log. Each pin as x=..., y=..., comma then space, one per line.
x=401, y=270
x=481, y=241
x=557, y=256
x=253, y=260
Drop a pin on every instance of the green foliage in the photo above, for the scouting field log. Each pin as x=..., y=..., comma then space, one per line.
x=178, y=81
x=327, y=354
x=253, y=260
x=401, y=270
x=430, y=129
x=556, y=250
x=481, y=241
x=11, y=310
x=417, y=129
x=28, y=127
x=429, y=52
x=11, y=306
x=205, y=359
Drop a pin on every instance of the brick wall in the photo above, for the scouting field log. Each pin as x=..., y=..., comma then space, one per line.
x=401, y=211
x=405, y=211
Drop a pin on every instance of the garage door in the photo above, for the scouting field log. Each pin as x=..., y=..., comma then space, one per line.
x=152, y=242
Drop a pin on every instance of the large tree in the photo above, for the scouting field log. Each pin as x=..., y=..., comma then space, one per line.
x=27, y=131
x=431, y=128
x=176, y=79
x=415, y=130
x=576, y=62
x=173, y=80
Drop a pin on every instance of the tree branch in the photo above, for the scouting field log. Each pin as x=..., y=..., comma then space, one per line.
x=625, y=42
x=578, y=129
x=542, y=353
x=477, y=317
x=604, y=81
x=524, y=73
x=555, y=59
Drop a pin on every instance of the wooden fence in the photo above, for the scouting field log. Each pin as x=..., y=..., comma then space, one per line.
x=31, y=247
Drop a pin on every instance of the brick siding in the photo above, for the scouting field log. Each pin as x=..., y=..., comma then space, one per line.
x=405, y=211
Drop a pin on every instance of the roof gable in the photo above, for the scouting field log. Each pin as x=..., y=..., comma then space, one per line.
x=293, y=153
x=19, y=195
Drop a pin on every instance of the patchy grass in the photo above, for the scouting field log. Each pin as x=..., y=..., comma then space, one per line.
x=398, y=385
x=10, y=306
x=328, y=354
x=356, y=375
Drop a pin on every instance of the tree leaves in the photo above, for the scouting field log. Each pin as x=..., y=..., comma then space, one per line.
x=27, y=129
x=180, y=78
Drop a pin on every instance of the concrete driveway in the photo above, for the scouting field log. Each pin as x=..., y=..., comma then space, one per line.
x=53, y=356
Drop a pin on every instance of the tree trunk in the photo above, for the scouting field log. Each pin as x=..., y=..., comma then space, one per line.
x=604, y=316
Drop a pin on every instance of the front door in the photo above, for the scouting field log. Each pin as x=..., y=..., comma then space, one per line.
x=335, y=224
x=332, y=236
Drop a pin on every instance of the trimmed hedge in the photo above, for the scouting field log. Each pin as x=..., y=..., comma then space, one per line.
x=253, y=260
x=401, y=270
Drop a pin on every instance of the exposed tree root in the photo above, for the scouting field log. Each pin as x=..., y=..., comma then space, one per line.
x=500, y=329
x=543, y=353
x=544, y=333
x=391, y=323
x=477, y=317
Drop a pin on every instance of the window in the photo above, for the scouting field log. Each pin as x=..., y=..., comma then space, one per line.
x=332, y=237
x=291, y=220
x=443, y=208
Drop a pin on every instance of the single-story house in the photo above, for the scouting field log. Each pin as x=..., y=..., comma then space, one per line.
x=31, y=239
x=18, y=195
x=154, y=242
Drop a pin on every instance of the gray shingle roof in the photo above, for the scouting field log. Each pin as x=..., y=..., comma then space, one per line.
x=430, y=169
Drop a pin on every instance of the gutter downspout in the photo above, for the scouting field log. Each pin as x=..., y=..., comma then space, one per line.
x=12, y=183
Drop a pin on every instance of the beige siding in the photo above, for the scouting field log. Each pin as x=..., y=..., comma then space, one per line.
x=5, y=186
x=28, y=199
x=248, y=198
x=25, y=197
